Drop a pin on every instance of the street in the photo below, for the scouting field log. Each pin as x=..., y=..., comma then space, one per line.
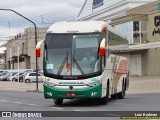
x=142, y=95
x=27, y=101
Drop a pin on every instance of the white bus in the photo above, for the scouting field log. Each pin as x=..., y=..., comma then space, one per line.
x=84, y=59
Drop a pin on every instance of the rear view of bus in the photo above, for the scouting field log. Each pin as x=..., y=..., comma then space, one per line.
x=77, y=63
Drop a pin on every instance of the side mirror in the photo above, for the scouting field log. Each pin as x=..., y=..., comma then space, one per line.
x=38, y=48
x=102, y=47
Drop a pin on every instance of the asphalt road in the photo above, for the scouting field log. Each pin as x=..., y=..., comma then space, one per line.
x=29, y=101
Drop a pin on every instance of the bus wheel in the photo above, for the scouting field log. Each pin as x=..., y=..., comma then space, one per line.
x=114, y=96
x=122, y=94
x=58, y=101
x=104, y=100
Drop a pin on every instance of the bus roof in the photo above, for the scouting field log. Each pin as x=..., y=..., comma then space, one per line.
x=76, y=27
x=80, y=27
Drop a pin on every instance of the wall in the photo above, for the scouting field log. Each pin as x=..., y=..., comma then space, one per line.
x=152, y=27
x=30, y=36
x=153, y=55
x=153, y=62
x=26, y=43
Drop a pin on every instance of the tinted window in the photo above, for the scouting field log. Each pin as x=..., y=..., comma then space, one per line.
x=72, y=55
x=58, y=41
x=39, y=75
x=32, y=74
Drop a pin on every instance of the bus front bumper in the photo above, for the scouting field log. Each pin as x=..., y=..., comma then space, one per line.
x=54, y=93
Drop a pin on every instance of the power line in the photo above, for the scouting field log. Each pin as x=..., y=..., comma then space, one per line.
x=57, y=12
x=50, y=19
x=46, y=15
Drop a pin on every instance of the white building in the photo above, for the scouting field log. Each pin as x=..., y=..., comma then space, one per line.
x=2, y=60
x=108, y=10
x=134, y=20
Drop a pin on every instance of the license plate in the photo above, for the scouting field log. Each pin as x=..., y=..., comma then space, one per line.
x=71, y=94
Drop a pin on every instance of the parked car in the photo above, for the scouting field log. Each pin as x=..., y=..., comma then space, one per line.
x=3, y=75
x=5, y=78
x=13, y=76
x=21, y=77
x=31, y=77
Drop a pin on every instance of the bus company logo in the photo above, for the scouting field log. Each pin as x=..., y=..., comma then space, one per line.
x=71, y=83
x=6, y=114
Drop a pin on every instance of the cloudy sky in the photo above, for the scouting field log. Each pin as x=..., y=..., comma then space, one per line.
x=42, y=12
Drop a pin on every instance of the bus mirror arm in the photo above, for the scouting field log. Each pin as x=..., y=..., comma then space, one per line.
x=38, y=48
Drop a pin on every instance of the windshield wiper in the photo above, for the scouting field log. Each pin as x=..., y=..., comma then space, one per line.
x=62, y=66
x=78, y=66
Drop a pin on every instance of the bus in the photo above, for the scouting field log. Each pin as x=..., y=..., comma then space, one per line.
x=68, y=75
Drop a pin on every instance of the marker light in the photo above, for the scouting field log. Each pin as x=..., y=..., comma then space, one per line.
x=104, y=28
x=68, y=66
x=102, y=47
x=38, y=48
x=38, y=52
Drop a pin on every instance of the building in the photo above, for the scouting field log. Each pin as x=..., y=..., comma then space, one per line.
x=2, y=55
x=138, y=20
x=107, y=9
x=145, y=47
x=20, y=49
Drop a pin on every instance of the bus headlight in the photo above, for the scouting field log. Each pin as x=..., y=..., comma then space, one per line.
x=49, y=84
x=94, y=83
x=49, y=93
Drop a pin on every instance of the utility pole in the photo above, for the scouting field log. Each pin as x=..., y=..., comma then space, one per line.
x=35, y=40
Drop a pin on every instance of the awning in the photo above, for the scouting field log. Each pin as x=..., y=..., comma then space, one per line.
x=128, y=18
x=144, y=46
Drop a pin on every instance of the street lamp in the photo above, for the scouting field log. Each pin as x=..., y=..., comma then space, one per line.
x=35, y=40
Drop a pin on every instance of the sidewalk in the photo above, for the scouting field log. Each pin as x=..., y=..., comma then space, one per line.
x=143, y=84
x=16, y=86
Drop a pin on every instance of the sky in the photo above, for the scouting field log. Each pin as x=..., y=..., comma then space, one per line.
x=42, y=12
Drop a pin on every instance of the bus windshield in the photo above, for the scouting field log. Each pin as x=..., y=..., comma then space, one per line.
x=72, y=55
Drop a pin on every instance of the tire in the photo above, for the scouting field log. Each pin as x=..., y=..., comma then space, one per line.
x=104, y=100
x=13, y=79
x=27, y=81
x=122, y=94
x=114, y=96
x=20, y=80
x=58, y=101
